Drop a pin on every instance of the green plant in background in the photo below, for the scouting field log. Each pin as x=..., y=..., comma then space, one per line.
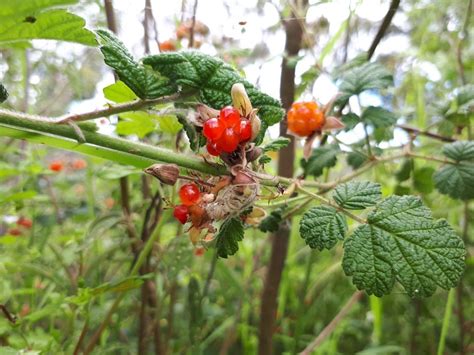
x=388, y=235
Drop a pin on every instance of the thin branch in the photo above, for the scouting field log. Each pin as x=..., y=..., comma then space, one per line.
x=383, y=27
x=333, y=324
x=193, y=25
x=417, y=131
x=11, y=317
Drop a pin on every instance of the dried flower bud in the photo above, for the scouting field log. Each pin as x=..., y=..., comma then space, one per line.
x=254, y=154
x=166, y=173
x=205, y=112
x=255, y=124
x=240, y=99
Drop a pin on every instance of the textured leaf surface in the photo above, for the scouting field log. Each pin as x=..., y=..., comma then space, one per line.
x=457, y=180
x=321, y=227
x=357, y=195
x=363, y=77
x=144, y=82
x=38, y=19
x=3, y=93
x=230, y=234
x=212, y=79
x=402, y=242
x=378, y=117
x=271, y=223
x=276, y=145
x=322, y=157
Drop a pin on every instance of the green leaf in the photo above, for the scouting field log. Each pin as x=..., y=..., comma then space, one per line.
x=456, y=180
x=378, y=117
x=423, y=179
x=39, y=19
x=271, y=223
x=139, y=122
x=321, y=227
x=264, y=159
x=357, y=195
x=307, y=78
x=144, y=82
x=276, y=145
x=119, y=92
x=3, y=93
x=212, y=79
x=230, y=233
x=322, y=157
x=190, y=129
x=356, y=159
x=405, y=170
x=169, y=124
x=402, y=242
x=350, y=120
x=361, y=78
x=459, y=151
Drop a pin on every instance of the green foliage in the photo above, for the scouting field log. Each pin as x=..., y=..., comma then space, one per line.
x=40, y=19
x=271, y=223
x=321, y=227
x=119, y=92
x=402, y=242
x=404, y=172
x=195, y=307
x=322, y=157
x=460, y=108
x=144, y=82
x=359, y=78
x=230, y=233
x=212, y=79
x=276, y=144
x=3, y=93
x=423, y=179
x=357, y=195
x=378, y=117
x=457, y=179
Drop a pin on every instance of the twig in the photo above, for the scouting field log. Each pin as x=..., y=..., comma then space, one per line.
x=417, y=131
x=387, y=20
x=11, y=318
x=82, y=336
x=333, y=324
x=193, y=24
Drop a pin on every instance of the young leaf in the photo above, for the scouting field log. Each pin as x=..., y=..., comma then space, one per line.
x=140, y=123
x=378, y=117
x=264, y=159
x=402, y=242
x=3, y=93
x=322, y=157
x=321, y=227
x=230, y=233
x=212, y=79
x=143, y=81
x=457, y=180
x=276, y=145
x=271, y=223
x=26, y=20
x=363, y=77
x=357, y=195
x=119, y=92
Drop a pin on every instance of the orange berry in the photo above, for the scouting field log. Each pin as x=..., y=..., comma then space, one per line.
x=79, y=164
x=167, y=46
x=304, y=118
x=56, y=165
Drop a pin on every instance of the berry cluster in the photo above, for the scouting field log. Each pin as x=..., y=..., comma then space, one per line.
x=189, y=195
x=304, y=118
x=226, y=132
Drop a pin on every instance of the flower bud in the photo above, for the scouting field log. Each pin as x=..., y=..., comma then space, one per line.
x=240, y=99
x=166, y=173
x=255, y=124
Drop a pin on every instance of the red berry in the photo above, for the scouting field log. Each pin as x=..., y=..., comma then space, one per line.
x=230, y=116
x=212, y=149
x=79, y=164
x=14, y=231
x=25, y=222
x=213, y=129
x=229, y=141
x=189, y=194
x=181, y=213
x=56, y=166
x=245, y=130
x=199, y=251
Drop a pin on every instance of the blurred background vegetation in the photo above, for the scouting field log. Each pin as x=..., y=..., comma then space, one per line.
x=63, y=271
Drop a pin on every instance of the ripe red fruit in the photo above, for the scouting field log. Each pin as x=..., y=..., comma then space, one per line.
x=229, y=141
x=245, y=130
x=199, y=251
x=230, y=116
x=181, y=213
x=25, y=222
x=212, y=149
x=56, y=166
x=189, y=194
x=213, y=129
x=14, y=231
x=167, y=46
x=304, y=118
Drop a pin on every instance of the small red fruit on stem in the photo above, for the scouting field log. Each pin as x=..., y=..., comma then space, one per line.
x=14, y=231
x=56, y=166
x=181, y=213
x=25, y=222
x=189, y=194
x=213, y=129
